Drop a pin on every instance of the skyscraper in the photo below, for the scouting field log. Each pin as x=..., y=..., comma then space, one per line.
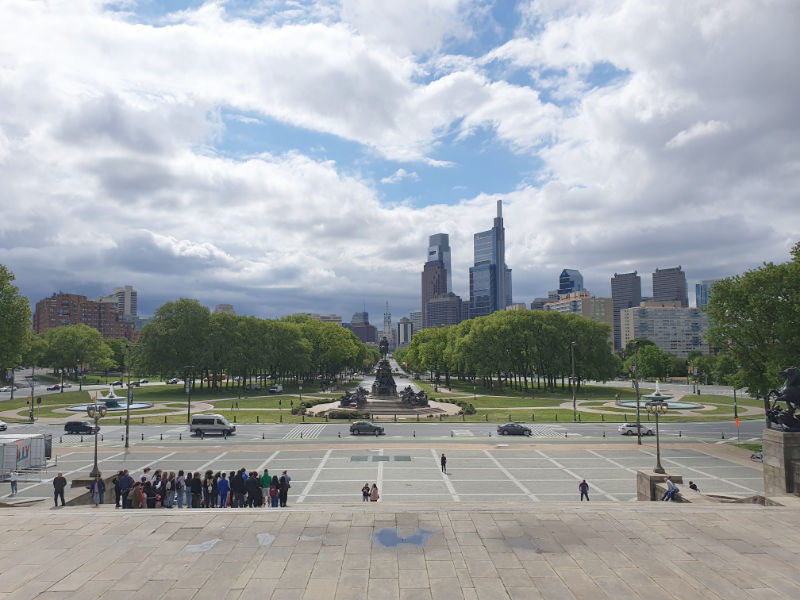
x=626, y=292
x=489, y=278
x=125, y=300
x=439, y=249
x=670, y=285
x=702, y=292
x=443, y=310
x=434, y=283
x=570, y=281
x=405, y=329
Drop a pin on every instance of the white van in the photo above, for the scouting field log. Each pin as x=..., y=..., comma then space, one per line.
x=211, y=423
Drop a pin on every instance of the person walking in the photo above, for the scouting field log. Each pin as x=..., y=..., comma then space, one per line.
x=59, y=484
x=97, y=488
x=365, y=493
x=13, y=479
x=443, y=460
x=583, y=487
x=125, y=486
x=223, y=488
x=374, y=495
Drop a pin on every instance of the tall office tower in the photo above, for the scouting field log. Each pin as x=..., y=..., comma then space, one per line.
x=570, y=281
x=387, y=327
x=359, y=325
x=626, y=292
x=416, y=320
x=670, y=285
x=125, y=300
x=405, y=329
x=443, y=310
x=702, y=292
x=489, y=278
x=439, y=249
x=434, y=283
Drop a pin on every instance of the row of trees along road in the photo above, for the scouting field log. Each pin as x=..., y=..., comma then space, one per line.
x=516, y=347
x=185, y=334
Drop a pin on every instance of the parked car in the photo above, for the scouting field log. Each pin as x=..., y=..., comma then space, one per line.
x=116, y=382
x=173, y=380
x=3, y=426
x=360, y=427
x=630, y=429
x=276, y=389
x=66, y=385
x=134, y=384
x=211, y=423
x=53, y=388
x=80, y=427
x=513, y=429
x=6, y=388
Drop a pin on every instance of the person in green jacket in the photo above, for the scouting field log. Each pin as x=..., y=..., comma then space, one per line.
x=266, y=480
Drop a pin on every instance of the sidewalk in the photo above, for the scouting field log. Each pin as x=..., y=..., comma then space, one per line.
x=444, y=551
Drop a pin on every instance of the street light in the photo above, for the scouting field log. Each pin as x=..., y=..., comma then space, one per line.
x=657, y=407
x=96, y=412
x=301, y=393
x=130, y=396
x=188, y=389
x=636, y=385
x=572, y=360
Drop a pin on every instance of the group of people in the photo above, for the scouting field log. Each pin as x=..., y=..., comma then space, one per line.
x=237, y=489
x=370, y=494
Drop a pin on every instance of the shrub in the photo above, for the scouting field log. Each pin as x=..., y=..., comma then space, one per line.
x=347, y=414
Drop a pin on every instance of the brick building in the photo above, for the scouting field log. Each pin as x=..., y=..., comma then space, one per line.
x=71, y=309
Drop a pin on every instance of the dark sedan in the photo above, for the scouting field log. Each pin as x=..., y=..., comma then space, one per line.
x=513, y=429
x=360, y=427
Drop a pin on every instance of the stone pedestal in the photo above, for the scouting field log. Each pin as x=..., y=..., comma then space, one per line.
x=781, y=462
x=650, y=486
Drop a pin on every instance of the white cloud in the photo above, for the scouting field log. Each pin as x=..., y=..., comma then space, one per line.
x=399, y=176
x=698, y=130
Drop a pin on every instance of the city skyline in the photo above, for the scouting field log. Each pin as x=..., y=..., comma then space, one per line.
x=297, y=158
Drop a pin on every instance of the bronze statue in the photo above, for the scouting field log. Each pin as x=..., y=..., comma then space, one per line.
x=384, y=347
x=384, y=382
x=785, y=419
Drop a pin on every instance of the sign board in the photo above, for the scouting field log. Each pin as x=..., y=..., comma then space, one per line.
x=696, y=370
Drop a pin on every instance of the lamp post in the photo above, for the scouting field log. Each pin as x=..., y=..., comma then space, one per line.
x=572, y=360
x=657, y=407
x=188, y=389
x=130, y=396
x=301, y=393
x=636, y=385
x=96, y=412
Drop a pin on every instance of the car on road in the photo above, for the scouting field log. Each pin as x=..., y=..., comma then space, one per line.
x=134, y=384
x=7, y=388
x=3, y=426
x=66, y=385
x=211, y=423
x=53, y=388
x=360, y=427
x=173, y=380
x=513, y=429
x=276, y=389
x=253, y=387
x=630, y=429
x=143, y=381
x=118, y=382
x=80, y=427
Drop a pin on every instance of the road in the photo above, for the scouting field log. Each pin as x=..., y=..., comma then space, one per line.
x=750, y=430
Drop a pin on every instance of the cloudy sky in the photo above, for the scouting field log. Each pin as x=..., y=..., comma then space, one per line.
x=285, y=155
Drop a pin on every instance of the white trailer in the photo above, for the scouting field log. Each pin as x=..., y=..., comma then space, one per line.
x=24, y=451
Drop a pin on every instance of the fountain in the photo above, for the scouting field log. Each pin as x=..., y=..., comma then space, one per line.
x=112, y=402
x=659, y=396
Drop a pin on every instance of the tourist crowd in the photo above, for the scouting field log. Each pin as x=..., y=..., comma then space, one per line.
x=237, y=489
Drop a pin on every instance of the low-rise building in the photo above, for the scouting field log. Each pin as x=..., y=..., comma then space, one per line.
x=60, y=310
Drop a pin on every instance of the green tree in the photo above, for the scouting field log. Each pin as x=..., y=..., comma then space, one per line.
x=15, y=322
x=755, y=320
x=74, y=346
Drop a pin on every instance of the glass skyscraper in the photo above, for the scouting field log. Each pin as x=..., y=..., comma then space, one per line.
x=489, y=278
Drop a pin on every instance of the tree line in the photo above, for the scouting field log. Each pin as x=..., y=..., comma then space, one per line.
x=516, y=348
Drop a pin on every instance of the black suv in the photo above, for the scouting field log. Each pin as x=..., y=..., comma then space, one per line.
x=82, y=427
x=513, y=429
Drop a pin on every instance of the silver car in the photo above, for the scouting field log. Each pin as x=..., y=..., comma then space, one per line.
x=630, y=429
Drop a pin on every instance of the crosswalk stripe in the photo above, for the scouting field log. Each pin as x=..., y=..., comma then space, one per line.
x=304, y=431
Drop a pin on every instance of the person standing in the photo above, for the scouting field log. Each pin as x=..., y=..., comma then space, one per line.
x=265, y=481
x=117, y=489
x=125, y=486
x=274, y=492
x=443, y=460
x=283, y=490
x=374, y=495
x=365, y=493
x=223, y=488
x=14, y=478
x=237, y=490
x=59, y=484
x=583, y=487
x=180, y=485
x=97, y=488
x=196, y=487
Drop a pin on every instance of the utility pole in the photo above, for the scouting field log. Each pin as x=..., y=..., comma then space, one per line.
x=574, y=404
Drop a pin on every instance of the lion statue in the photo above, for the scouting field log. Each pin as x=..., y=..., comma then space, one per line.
x=785, y=419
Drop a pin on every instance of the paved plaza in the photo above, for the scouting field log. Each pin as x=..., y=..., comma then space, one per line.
x=450, y=551
x=516, y=470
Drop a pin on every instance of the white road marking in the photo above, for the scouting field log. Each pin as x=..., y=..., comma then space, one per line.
x=314, y=476
x=307, y=431
x=213, y=460
x=263, y=465
x=613, y=462
x=571, y=473
x=513, y=479
x=91, y=464
x=445, y=478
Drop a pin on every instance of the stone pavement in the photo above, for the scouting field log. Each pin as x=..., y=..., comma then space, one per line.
x=447, y=551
